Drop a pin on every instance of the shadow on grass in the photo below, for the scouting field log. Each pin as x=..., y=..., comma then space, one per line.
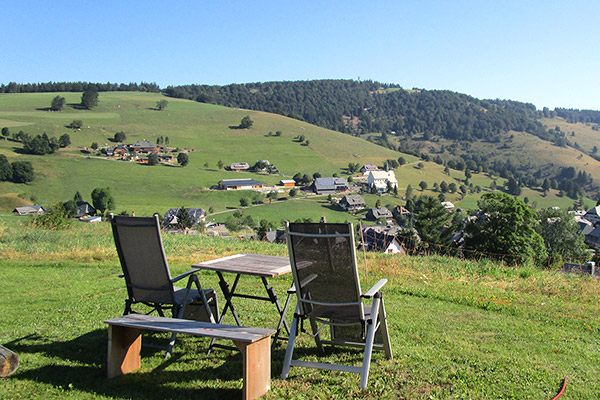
x=87, y=372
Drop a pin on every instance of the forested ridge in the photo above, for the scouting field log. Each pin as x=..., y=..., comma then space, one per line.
x=359, y=107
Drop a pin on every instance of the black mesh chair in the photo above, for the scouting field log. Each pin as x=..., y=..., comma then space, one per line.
x=325, y=273
x=147, y=275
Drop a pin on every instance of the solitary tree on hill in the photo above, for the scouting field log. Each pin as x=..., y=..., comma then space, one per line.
x=246, y=122
x=102, y=199
x=57, y=103
x=89, y=98
x=183, y=159
x=161, y=104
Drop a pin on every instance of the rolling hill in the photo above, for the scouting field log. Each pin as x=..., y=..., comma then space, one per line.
x=206, y=130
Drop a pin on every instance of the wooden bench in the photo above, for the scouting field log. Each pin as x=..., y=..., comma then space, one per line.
x=125, y=342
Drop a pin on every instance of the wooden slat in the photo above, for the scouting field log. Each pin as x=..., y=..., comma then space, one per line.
x=190, y=327
x=249, y=264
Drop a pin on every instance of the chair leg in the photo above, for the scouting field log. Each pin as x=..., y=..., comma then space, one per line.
x=366, y=364
x=287, y=360
x=317, y=335
x=384, y=331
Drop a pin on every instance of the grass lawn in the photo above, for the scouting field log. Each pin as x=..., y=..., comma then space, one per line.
x=459, y=329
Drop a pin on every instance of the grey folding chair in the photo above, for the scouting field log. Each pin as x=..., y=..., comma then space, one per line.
x=147, y=275
x=323, y=260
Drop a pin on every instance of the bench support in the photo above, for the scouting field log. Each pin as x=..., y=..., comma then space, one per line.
x=125, y=343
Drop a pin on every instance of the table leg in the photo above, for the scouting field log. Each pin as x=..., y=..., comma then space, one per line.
x=273, y=299
x=228, y=294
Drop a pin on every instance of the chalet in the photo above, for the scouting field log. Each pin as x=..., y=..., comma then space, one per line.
x=240, y=184
x=400, y=211
x=352, y=202
x=330, y=185
x=197, y=215
x=84, y=209
x=380, y=212
x=368, y=167
x=383, y=239
x=287, y=182
x=592, y=236
x=593, y=215
x=239, y=167
x=144, y=146
x=380, y=180
x=116, y=151
x=29, y=210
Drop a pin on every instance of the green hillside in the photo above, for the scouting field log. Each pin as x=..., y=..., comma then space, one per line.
x=207, y=129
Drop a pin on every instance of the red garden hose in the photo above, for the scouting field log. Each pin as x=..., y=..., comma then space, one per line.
x=561, y=390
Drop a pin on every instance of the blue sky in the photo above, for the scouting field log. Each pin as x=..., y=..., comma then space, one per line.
x=543, y=52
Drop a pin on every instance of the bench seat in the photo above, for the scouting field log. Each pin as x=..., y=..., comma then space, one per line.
x=125, y=342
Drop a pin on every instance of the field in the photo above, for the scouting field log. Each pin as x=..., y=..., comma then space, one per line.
x=459, y=329
x=207, y=130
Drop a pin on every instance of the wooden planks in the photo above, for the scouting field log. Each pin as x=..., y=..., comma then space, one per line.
x=249, y=264
x=190, y=327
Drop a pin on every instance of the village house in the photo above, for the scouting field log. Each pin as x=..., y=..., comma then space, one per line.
x=144, y=146
x=368, y=167
x=375, y=214
x=239, y=167
x=400, y=211
x=352, y=202
x=29, y=210
x=383, y=239
x=593, y=215
x=240, y=184
x=330, y=185
x=197, y=215
x=84, y=209
x=380, y=180
x=287, y=182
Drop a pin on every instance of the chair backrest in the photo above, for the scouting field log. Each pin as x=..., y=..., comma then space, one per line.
x=323, y=260
x=143, y=260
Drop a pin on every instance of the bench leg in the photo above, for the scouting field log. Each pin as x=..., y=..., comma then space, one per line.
x=256, y=360
x=124, y=346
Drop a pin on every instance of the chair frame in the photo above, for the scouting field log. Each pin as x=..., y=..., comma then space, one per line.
x=189, y=297
x=377, y=320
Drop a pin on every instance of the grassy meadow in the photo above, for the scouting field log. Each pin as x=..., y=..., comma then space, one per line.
x=459, y=329
x=207, y=131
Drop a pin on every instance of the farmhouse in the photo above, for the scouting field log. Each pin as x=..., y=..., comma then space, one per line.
x=29, y=210
x=368, y=168
x=352, y=202
x=84, y=209
x=380, y=212
x=380, y=180
x=383, y=239
x=197, y=215
x=287, y=182
x=239, y=167
x=448, y=205
x=330, y=185
x=240, y=184
x=593, y=215
x=144, y=146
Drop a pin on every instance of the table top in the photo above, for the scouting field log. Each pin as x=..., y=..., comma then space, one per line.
x=248, y=264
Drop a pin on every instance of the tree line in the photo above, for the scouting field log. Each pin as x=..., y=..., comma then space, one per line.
x=46, y=87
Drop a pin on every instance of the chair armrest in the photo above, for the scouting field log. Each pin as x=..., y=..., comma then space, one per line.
x=307, y=280
x=180, y=277
x=375, y=288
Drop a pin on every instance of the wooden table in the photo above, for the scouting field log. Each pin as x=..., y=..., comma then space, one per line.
x=259, y=265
